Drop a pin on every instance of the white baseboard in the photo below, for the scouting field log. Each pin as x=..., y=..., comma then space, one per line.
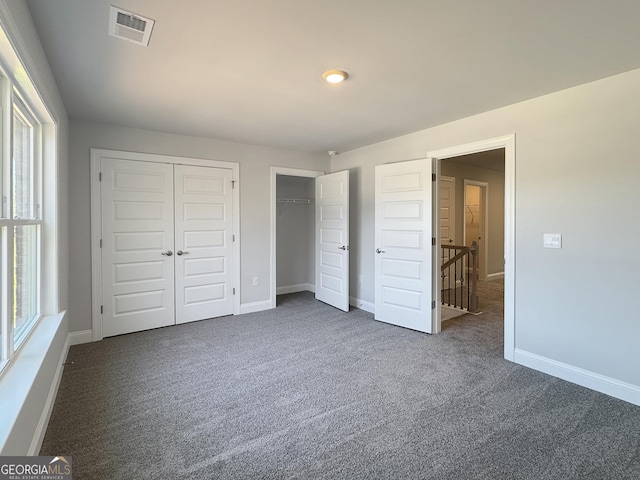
x=255, y=306
x=43, y=423
x=301, y=287
x=495, y=276
x=83, y=336
x=362, y=304
x=600, y=383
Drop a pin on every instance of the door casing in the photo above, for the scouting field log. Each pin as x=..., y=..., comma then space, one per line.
x=96, y=221
x=508, y=142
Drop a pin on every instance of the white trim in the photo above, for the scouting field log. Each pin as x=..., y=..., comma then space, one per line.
x=20, y=385
x=301, y=287
x=96, y=220
x=495, y=276
x=41, y=428
x=362, y=305
x=508, y=142
x=275, y=171
x=601, y=383
x=73, y=338
x=78, y=338
x=255, y=307
x=96, y=258
x=20, y=59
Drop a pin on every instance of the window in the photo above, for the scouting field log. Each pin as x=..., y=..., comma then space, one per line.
x=20, y=221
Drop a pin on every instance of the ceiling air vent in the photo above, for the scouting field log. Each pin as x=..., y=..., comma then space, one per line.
x=129, y=26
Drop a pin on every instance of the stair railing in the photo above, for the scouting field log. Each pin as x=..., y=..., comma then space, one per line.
x=459, y=276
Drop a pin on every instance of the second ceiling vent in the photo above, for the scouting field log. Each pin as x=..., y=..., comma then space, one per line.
x=128, y=26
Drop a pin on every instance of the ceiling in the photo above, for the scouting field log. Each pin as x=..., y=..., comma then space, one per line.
x=250, y=71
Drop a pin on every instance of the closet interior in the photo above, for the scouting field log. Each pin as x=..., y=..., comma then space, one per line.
x=295, y=234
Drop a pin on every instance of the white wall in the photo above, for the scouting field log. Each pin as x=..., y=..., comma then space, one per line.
x=295, y=235
x=577, y=171
x=255, y=163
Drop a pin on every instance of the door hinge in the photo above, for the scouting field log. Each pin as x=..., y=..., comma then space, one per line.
x=433, y=241
x=233, y=238
x=99, y=176
x=233, y=184
x=100, y=243
x=234, y=291
x=433, y=304
x=101, y=309
x=433, y=177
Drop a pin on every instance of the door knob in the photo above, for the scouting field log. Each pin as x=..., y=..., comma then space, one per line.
x=379, y=251
x=180, y=252
x=168, y=253
x=343, y=247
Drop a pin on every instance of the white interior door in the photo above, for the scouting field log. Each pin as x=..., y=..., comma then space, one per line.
x=403, y=232
x=137, y=246
x=203, y=243
x=332, y=239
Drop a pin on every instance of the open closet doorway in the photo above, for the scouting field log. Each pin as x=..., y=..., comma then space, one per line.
x=295, y=234
x=483, y=214
x=476, y=199
x=292, y=231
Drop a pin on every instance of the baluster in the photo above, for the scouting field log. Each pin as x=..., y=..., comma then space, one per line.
x=462, y=285
x=455, y=279
x=474, y=279
x=468, y=284
x=449, y=278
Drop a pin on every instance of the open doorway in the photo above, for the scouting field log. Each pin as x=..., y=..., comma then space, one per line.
x=331, y=241
x=476, y=220
x=489, y=166
x=292, y=252
x=477, y=213
x=295, y=234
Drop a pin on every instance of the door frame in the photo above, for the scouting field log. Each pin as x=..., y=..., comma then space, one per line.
x=96, y=221
x=508, y=142
x=275, y=171
x=485, y=221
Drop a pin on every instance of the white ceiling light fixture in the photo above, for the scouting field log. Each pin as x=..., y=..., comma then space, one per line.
x=129, y=26
x=335, y=76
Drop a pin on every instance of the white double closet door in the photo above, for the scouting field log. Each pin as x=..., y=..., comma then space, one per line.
x=166, y=244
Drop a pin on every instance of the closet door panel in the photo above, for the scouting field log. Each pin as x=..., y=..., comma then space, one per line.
x=203, y=243
x=137, y=242
x=332, y=239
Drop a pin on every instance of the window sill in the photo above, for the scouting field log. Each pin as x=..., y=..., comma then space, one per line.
x=27, y=384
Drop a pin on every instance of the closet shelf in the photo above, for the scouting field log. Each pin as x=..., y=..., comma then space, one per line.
x=294, y=200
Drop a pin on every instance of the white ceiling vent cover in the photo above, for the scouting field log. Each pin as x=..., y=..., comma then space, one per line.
x=129, y=26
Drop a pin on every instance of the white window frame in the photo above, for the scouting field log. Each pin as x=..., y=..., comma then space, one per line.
x=13, y=101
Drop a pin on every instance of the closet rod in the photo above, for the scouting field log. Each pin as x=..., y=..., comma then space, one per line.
x=294, y=200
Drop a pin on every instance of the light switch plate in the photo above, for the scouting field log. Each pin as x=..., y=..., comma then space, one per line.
x=552, y=240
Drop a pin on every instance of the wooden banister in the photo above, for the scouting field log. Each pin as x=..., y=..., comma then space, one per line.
x=472, y=252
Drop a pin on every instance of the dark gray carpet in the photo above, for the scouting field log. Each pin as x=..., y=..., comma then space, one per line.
x=306, y=391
